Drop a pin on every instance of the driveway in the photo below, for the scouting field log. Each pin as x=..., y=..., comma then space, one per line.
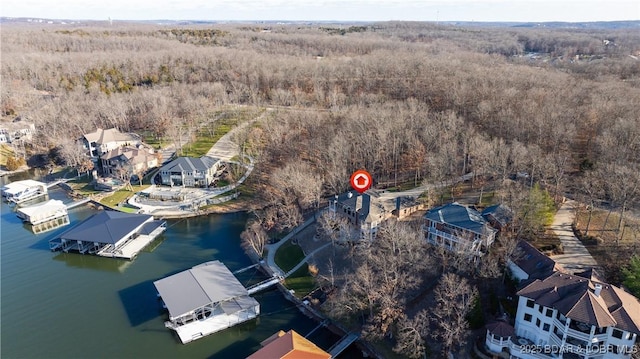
x=576, y=257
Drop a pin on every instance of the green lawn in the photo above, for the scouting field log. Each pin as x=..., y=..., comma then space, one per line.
x=121, y=196
x=301, y=282
x=288, y=256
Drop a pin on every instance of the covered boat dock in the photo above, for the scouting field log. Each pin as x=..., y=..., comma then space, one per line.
x=205, y=299
x=110, y=234
x=43, y=212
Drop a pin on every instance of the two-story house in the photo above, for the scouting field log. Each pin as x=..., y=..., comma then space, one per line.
x=127, y=161
x=16, y=130
x=362, y=211
x=570, y=316
x=458, y=228
x=191, y=171
x=102, y=141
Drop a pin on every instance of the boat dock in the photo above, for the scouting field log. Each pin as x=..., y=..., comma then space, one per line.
x=131, y=249
x=22, y=191
x=43, y=212
x=205, y=299
x=78, y=203
x=343, y=344
x=50, y=225
x=263, y=285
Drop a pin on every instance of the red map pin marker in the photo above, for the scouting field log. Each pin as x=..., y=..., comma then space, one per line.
x=361, y=180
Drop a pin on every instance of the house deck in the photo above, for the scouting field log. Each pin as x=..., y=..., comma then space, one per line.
x=131, y=249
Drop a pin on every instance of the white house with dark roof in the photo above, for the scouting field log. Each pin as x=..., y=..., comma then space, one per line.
x=528, y=263
x=571, y=316
x=458, y=228
x=190, y=171
x=102, y=141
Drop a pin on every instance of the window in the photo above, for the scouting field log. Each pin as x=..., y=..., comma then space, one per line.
x=549, y=313
x=527, y=317
x=540, y=309
x=530, y=303
x=537, y=322
x=545, y=327
x=617, y=333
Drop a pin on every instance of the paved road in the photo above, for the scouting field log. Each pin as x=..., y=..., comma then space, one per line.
x=576, y=257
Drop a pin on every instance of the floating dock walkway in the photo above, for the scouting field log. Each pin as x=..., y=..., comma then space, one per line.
x=343, y=344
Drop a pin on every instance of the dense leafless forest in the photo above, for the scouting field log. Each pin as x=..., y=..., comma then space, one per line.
x=407, y=101
x=410, y=102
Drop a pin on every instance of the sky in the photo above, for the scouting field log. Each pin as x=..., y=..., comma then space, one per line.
x=327, y=10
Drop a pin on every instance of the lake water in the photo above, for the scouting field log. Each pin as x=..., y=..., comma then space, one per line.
x=57, y=305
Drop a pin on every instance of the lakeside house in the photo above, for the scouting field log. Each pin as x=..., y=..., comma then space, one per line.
x=16, y=130
x=289, y=345
x=562, y=315
x=205, y=299
x=102, y=141
x=362, y=211
x=128, y=161
x=191, y=171
x=458, y=228
x=110, y=234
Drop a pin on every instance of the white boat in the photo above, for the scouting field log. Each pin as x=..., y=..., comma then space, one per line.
x=21, y=191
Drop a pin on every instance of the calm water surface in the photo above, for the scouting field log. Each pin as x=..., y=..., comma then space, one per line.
x=57, y=305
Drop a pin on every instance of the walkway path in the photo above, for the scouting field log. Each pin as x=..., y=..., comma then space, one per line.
x=273, y=248
x=305, y=259
x=576, y=257
x=226, y=148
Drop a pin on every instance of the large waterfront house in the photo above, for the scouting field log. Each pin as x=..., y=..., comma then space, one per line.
x=205, y=299
x=191, y=171
x=362, y=211
x=458, y=228
x=289, y=345
x=17, y=130
x=110, y=234
x=569, y=316
x=128, y=161
x=102, y=141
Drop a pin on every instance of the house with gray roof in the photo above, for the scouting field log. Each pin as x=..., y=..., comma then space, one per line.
x=205, y=299
x=458, y=228
x=191, y=171
x=110, y=234
x=363, y=212
x=528, y=263
x=571, y=316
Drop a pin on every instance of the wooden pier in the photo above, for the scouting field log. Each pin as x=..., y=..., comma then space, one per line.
x=343, y=344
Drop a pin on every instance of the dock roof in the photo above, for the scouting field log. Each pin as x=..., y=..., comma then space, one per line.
x=19, y=186
x=48, y=206
x=207, y=283
x=106, y=227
